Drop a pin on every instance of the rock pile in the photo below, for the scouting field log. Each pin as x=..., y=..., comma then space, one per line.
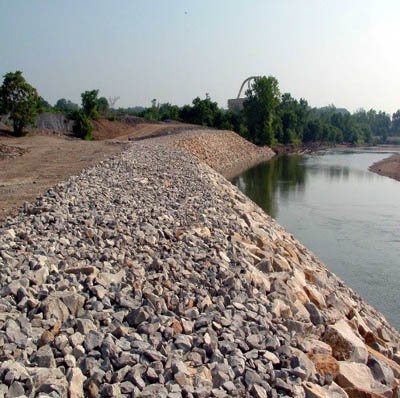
x=150, y=275
x=224, y=151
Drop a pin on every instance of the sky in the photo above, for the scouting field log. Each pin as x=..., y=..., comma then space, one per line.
x=342, y=52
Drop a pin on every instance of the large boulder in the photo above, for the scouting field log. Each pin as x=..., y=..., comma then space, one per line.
x=358, y=381
x=329, y=391
x=48, y=380
x=346, y=345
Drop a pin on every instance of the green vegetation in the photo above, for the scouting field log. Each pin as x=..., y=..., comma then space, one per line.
x=261, y=111
x=18, y=99
x=90, y=104
x=268, y=117
x=66, y=106
x=82, y=127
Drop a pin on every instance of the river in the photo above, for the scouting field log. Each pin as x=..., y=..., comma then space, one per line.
x=348, y=216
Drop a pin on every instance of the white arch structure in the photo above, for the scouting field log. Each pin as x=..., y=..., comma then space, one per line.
x=236, y=104
x=248, y=80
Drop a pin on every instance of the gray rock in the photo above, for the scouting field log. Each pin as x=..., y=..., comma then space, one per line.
x=44, y=357
x=93, y=340
x=84, y=326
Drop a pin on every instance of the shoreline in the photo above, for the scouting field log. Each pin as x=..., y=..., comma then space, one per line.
x=388, y=167
x=153, y=275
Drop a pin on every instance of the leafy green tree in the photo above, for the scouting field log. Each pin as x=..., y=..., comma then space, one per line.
x=66, y=106
x=90, y=104
x=43, y=106
x=260, y=110
x=152, y=113
x=102, y=106
x=169, y=112
x=204, y=112
x=19, y=99
x=395, y=128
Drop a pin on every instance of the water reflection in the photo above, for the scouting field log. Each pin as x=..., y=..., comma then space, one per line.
x=277, y=178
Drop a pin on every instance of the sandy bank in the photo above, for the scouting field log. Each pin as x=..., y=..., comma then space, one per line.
x=389, y=167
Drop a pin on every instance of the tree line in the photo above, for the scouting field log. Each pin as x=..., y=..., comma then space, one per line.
x=21, y=102
x=267, y=118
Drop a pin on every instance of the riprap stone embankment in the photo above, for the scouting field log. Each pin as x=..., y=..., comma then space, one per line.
x=150, y=275
x=224, y=151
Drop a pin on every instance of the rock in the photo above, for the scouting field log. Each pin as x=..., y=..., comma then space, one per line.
x=381, y=371
x=357, y=380
x=74, y=302
x=53, y=307
x=84, y=326
x=46, y=338
x=315, y=391
x=315, y=315
x=82, y=270
x=110, y=390
x=280, y=264
x=183, y=342
x=258, y=391
x=75, y=380
x=48, y=380
x=315, y=346
x=93, y=340
x=16, y=390
x=44, y=357
x=154, y=391
x=92, y=389
x=136, y=317
x=70, y=361
x=325, y=364
x=345, y=344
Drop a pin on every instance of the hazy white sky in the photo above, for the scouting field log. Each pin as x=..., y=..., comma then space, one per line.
x=344, y=52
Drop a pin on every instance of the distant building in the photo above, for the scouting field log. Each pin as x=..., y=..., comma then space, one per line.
x=236, y=104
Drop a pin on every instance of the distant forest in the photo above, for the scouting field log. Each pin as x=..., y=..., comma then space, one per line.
x=267, y=118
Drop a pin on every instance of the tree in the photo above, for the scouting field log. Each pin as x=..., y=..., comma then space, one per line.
x=90, y=104
x=260, y=110
x=102, y=106
x=19, y=99
x=66, y=106
x=396, y=123
x=169, y=111
x=204, y=112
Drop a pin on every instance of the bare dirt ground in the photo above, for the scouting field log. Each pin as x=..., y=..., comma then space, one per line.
x=105, y=129
x=389, y=167
x=33, y=164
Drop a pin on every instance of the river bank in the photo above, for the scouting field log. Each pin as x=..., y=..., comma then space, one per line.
x=389, y=167
x=150, y=274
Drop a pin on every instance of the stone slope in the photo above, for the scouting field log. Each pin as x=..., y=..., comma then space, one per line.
x=150, y=275
x=225, y=151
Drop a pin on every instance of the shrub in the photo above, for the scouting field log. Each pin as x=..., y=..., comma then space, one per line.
x=82, y=127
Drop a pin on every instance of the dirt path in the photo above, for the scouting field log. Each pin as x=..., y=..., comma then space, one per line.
x=46, y=160
x=389, y=167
